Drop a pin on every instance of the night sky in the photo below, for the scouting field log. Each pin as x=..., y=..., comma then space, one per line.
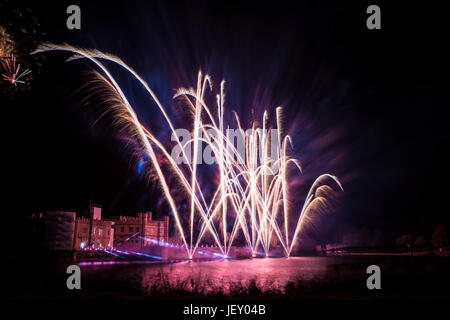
x=369, y=106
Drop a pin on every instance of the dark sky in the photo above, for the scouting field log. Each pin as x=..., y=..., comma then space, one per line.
x=368, y=106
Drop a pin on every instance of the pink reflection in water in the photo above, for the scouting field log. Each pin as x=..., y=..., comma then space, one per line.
x=226, y=275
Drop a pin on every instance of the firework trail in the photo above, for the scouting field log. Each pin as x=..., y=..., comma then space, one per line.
x=252, y=189
x=6, y=43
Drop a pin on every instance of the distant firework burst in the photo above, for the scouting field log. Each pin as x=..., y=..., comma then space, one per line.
x=12, y=71
x=20, y=33
x=248, y=191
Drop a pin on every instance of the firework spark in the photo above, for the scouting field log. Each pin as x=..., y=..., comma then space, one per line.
x=249, y=192
x=13, y=73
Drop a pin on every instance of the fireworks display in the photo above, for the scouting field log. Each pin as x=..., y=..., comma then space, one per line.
x=20, y=33
x=251, y=191
x=13, y=72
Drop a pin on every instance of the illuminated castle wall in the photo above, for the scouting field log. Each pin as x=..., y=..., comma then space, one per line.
x=65, y=231
x=129, y=231
x=93, y=233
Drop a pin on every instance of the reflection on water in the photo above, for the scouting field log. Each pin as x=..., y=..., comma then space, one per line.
x=267, y=273
x=224, y=275
x=299, y=277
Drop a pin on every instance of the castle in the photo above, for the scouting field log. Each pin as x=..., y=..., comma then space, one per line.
x=65, y=231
